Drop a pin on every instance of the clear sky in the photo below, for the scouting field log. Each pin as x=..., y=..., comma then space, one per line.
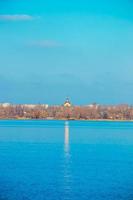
x=57, y=48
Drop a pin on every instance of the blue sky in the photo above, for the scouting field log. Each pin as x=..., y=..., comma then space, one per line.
x=57, y=48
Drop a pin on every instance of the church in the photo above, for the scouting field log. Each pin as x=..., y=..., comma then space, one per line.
x=67, y=103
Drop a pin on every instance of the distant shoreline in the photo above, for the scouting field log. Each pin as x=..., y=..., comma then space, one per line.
x=86, y=120
x=67, y=111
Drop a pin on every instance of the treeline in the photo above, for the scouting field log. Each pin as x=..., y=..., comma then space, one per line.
x=119, y=112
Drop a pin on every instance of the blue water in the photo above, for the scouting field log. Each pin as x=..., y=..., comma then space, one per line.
x=57, y=160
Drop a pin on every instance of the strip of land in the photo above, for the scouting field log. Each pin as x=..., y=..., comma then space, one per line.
x=95, y=112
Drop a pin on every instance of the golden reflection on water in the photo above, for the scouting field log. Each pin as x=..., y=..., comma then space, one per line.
x=66, y=139
x=67, y=164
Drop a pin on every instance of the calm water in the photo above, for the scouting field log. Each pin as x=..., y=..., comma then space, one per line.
x=56, y=160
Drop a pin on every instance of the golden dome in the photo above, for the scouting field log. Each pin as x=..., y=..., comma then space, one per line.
x=67, y=103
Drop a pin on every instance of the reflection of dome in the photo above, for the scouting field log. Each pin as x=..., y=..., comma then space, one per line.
x=67, y=103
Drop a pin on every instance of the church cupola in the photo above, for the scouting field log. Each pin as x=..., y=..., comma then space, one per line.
x=67, y=103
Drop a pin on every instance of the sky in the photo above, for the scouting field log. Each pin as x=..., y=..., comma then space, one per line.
x=57, y=48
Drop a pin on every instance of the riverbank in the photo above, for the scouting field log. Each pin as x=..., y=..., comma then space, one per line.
x=65, y=119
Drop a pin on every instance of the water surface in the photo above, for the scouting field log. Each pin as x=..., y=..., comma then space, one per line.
x=58, y=160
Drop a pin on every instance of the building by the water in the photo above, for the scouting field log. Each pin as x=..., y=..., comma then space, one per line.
x=67, y=103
